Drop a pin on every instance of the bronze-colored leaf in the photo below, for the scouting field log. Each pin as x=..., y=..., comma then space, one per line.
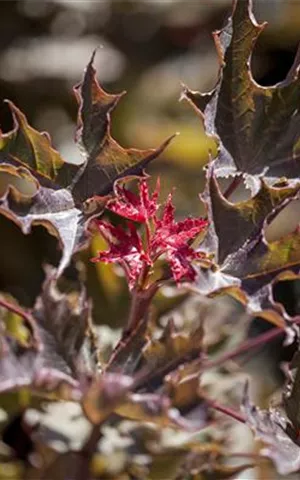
x=104, y=159
x=67, y=195
x=62, y=322
x=54, y=361
x=23, y=367
x=291, y=396
x=25, y=146
x=105, y=394
x=234, y=225
x=271, y=428
x=172, y=348
x=247, y=263
x=257, y=127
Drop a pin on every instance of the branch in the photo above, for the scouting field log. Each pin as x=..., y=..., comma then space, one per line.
x=23, y=314
x=140, y=301
x=86, y=453
x=226, y=410
x=245, y=346
x=233, y=186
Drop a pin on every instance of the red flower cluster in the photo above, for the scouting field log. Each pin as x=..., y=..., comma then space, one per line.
x=164, y=236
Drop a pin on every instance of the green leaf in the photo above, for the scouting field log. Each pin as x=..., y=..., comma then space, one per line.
x=30, y=148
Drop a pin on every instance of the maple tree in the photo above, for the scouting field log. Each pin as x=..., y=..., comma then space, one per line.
x=151, y=379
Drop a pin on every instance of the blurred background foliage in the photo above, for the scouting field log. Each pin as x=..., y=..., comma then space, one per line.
x=148, y=48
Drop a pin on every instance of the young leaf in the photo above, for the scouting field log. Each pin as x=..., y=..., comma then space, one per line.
x=173, y=348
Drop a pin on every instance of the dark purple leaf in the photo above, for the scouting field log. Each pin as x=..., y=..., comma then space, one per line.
x=271, y=427
x=246, y=262
x=257, y=127
x=67, y=194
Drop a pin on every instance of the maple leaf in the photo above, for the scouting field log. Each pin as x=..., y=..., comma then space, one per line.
x=247, y=265
x=171, y=237
x=257, y=127
x=291, y=395
x=156, y=356
x=172, y=348
x=138, y=208
x=125, y=248
x=152, y=380
x=159, y=410
x=60, y=325
x=67, y=195
x=273, y=429
x=258, y=130
x=104, y=395
x=164, y=236
x=165, y=373
x=111, y=393
x=24, y=367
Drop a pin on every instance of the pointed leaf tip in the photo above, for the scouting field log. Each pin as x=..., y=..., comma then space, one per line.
x=258, y=127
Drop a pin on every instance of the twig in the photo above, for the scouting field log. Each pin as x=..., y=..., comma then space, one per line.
x=23, y=314
x=140, y=301
x=245, y=346
x=227, y=411
x=86, y=453
x=233, y=186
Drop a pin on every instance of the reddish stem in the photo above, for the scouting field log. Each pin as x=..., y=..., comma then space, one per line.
x=86, y=453
x=23, y=314
x=139, y=304
x=146, y=268
x=245, y=346
x=148, y=235
x=233, y=186
x=227, y=411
